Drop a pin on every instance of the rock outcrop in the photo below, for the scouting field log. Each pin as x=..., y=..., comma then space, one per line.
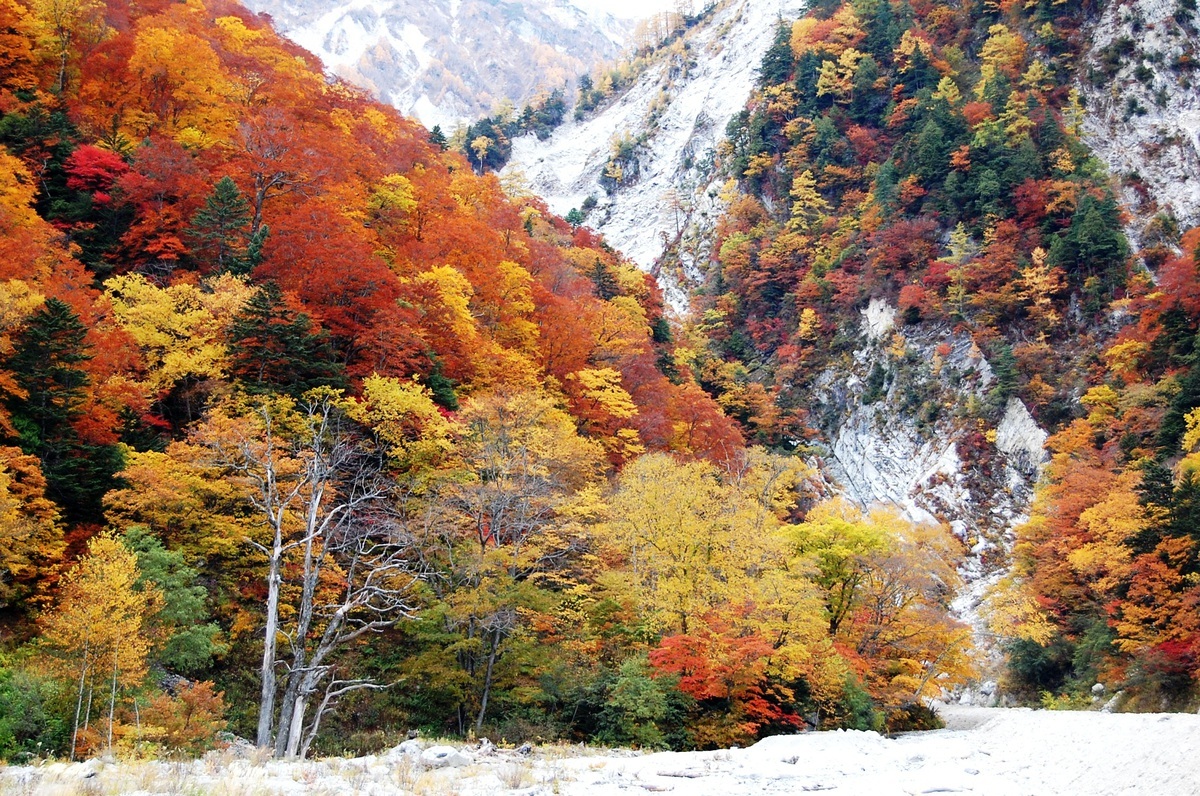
x=911, y=418
x=674, y=116
x=1142, y=109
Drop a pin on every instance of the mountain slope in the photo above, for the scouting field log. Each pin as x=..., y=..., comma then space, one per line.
x=663, y=131
x=452, y=60
x=1143, y=109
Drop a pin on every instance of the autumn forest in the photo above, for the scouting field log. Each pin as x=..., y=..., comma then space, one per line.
x=314, y=430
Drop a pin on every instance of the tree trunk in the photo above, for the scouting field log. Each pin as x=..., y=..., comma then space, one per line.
x=266, y=707
x=79, y=702
x=487, y=680
x=112, y=701
x=297, y=727
x=287, y=709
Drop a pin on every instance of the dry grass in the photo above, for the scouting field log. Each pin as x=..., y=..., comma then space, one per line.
x=515, y=775
x=247, y=772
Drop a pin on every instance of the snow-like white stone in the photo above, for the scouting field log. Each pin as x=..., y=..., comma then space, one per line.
x=879, y=318
x=995, y=752
x=1020, y=438
x=410, y=748
x=443, y=756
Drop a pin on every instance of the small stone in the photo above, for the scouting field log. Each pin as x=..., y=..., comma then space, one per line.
x=525, y=749
x=1098, y=689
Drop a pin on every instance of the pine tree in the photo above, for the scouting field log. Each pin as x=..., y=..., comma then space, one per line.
x=606, y=284
x=183, y=640
x=46, y=361
x=274, y=348
x=221, y=231
x=442, y=387
x=777, y=62
x=438, y=138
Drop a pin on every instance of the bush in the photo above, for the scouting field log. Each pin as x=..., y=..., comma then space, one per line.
x=187, y=722
x=34, y=716
x=855, y=711
x=912, y=717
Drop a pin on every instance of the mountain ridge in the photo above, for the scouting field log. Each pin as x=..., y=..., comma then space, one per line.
x=451, y=61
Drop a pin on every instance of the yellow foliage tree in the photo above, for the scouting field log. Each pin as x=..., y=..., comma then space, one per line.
x=32, y=537
x=887, y=584
x=188, y=92
x=405, y=417
x=180, y=329
x=96, y=630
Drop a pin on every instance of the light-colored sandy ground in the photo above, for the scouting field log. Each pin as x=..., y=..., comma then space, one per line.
x=983, y=751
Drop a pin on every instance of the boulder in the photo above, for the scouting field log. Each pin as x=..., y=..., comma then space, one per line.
x=443, y=757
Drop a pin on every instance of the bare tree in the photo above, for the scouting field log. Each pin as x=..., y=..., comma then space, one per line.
x=277, y=162
x=320, y=484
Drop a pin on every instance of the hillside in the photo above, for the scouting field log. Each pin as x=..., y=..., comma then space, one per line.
x=1144, y=115
x=450, y=62
x=315, y=431
x=924, y=279
x=662, y=130
x=310, y=433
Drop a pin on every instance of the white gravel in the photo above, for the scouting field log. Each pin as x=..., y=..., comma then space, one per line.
x=984, y=751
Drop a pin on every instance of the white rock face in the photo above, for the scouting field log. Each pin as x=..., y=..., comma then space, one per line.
x=450, y=61
x=1021, y=439
x=898, y=433
x=683, y=104
x=1146, y=123
x=883, y=452
x=879, y=318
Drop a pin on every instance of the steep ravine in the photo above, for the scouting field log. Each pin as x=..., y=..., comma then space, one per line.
x=677, y=110
x=905, y=421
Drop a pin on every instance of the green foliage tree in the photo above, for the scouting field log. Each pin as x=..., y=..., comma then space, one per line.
x=776, y=64
x=274, y=348
x=185, y=642
x=47, y=362
x=34, y=714
x=221, y=231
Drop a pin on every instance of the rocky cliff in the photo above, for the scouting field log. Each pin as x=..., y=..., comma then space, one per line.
x=1142, y=108
x=663, y=131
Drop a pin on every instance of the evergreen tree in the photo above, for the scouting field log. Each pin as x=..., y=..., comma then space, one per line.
x=221, y=231
x=1170, y=431
x=274, y=348
x=1004, y=367
x=185, y=642
x=606, y=284
x=882, y=31
x=442, y=387
x=777, y=63
x=438, y=138
x=46, y=361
